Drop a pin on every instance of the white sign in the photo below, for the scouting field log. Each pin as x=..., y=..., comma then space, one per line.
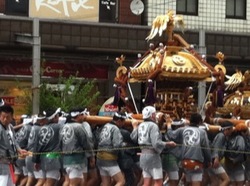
x=65, y=9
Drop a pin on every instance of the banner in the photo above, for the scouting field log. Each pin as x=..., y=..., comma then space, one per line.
x=86, y=10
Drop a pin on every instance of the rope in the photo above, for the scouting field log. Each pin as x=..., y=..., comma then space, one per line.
x=128, y=148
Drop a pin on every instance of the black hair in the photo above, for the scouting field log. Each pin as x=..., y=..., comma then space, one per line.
x=76, y=109
x=50, y=112
x=7, y=109
x=195, y=119
x=69, y=119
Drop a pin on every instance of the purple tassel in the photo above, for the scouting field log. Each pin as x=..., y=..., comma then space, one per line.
x=116, y=96
x=220, y=96
x=150, y=97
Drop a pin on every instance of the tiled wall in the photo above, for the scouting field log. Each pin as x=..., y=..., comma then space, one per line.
x=211, y=16
x=154, y=8
x=69, y=35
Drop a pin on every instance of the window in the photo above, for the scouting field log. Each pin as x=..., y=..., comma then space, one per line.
x=236, y=9
x=187, y=7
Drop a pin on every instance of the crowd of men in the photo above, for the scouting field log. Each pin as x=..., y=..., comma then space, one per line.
x=46, y=151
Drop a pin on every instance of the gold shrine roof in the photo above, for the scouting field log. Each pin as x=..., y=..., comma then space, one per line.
x=172, y=62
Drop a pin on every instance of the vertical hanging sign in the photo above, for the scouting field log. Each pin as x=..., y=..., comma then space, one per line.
x=108, y=11
x=17, y=7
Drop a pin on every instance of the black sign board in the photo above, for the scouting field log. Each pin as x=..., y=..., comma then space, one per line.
x=17, y=7
x=107, y=11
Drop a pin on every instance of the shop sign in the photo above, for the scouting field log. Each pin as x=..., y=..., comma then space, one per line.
x=55, y=69
x=86, y=10
x=8, y=100
x=16, y=7
x=108, y=9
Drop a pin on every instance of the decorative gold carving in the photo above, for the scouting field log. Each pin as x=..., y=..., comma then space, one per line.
x=179, y=60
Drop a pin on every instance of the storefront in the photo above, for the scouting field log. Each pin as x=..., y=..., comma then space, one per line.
x=16, y=78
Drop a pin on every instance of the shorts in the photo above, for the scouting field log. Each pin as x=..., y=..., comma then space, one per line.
x=238, y=175
x=236, y=171
x=216, y=171
x=21, y=170
x=53, y=174
x=193, y=175
x=31, y=174
x=74, y=172
x=155, y=173
x=39, y=174
x=173, y=175
x=109, y=170
x=29, y=166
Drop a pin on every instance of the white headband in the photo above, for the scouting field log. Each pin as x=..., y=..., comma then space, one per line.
x=85, y=112
x=53, y=115
x=181, y=122
x=74, y=114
